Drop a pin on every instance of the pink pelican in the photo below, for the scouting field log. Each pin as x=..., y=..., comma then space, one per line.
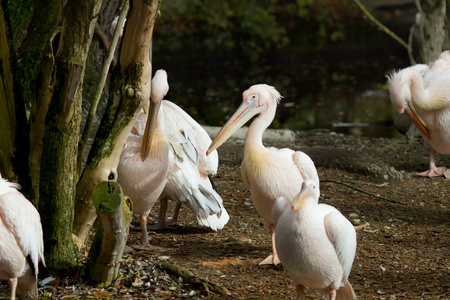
x=270, y=172
x=188, y=179
x=315, y=243
x=21, y=243
x=144, y=161
x=425, y=95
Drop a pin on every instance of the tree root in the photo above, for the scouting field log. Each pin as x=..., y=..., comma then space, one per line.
x=191, y=278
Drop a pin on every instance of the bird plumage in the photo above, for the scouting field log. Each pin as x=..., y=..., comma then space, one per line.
x=269, y=172
x=315, y=243
x=424, y=91
x=176, y=166
x=187, y=180
x=21, y=235
x=144, y=162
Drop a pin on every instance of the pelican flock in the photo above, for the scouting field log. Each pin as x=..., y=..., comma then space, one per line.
x=269, y=172
x=21, y=241
x=164, y=158
x=315, y=243
x=424, y=92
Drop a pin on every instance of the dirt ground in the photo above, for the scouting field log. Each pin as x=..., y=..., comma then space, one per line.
x=402, y=254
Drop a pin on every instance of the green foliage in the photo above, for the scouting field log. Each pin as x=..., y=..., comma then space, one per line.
x=248, y=27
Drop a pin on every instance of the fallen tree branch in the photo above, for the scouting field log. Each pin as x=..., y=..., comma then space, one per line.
x=191, y=278
x=361, y=191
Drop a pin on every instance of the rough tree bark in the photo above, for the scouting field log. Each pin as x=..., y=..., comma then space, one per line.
x=114, y=211
x=432, y=28
x=14, y=144
x=58, y=174
x=130, y=91
x=47, y=15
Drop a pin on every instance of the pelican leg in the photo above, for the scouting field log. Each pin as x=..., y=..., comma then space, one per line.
x=161, y=217
x=174, y=220
x=332, y=295
x=273, y=258
x=434, y=171
x=300, y=291
x=145, y=245
x=13, y=285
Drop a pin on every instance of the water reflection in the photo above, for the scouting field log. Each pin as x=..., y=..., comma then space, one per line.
x=325, y=89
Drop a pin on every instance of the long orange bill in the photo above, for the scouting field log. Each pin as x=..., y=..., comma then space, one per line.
x=418, y=121
x=244, y=113
x=300, y=198
x=150, y=129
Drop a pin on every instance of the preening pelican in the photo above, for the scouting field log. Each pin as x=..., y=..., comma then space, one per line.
x=315, y=243
x=188, y=180
x=21, y=243
x=270, y=172
x=189, y=168
x=144, y=161
x=425, y=95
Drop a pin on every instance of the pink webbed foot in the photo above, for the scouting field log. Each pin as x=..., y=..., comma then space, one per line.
x=127, y=249
x=146, y=247
x=270, y=260
x=435, y=172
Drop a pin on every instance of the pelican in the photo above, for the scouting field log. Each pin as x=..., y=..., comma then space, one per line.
x=269, y=172
x=144, y=161
x=188, y=178
x=21, y=243
x=425, y=95
x=315, y=243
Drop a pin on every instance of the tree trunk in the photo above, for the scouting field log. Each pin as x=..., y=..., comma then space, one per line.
x=14, y=146
x=58, y=175
x=39, y=108
x=432, y=28
x=130, y=91
x=47, y=15
x=114, y=211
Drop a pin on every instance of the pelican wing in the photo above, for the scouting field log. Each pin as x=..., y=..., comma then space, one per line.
x=306, y=167
x=25, y=223
x=343, y=236
x=278, y=209
x=176, y=119
x=187, y=181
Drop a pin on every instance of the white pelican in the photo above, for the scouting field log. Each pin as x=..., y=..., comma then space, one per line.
x=425, y=95
x=315, y=243
x=189, y=168
x=270, y=172
x=188, y=179
x=144, y=161
x=21, y=243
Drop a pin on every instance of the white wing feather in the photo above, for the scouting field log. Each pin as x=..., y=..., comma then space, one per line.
x=23, y=220
x=343, y=236
x=188, y=181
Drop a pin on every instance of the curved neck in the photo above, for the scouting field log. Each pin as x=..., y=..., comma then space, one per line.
x=258, y=126
x=418, y=95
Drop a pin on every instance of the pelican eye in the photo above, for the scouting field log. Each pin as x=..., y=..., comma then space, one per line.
x=252, y=98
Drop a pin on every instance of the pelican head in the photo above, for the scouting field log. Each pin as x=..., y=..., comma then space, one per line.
x=399, y=91
x=256, y=100
x=400, y=85
x=308, y=192
x=160, y=87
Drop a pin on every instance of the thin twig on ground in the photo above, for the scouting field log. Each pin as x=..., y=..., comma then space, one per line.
x=361, y=191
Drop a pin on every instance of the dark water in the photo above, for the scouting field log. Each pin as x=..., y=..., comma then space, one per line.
x=321, y=89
